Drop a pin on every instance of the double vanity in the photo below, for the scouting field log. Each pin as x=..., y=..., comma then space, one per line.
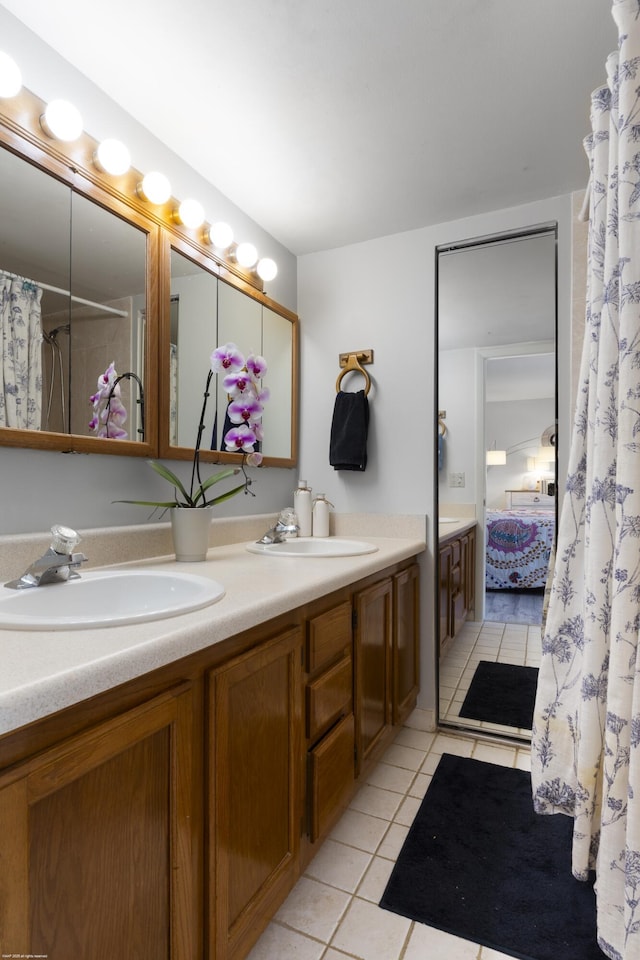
x=176, y=775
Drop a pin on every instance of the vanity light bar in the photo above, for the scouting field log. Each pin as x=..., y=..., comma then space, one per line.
x=62, y=121
x=10, y=76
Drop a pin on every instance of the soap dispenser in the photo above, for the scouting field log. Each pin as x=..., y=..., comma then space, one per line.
x=320, y=523
x=302, y=506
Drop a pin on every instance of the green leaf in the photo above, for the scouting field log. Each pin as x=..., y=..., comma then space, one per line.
x=225, y=496
x=170, y=476
x=151, y=503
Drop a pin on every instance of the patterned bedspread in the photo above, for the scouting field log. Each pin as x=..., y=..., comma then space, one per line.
x=518, y=548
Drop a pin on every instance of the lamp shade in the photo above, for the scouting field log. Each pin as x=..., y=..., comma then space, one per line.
x=496, y=458
x=155, y=187
x=220, y=235
x=61, y=121
x=112, y=157
x=246, y=254
x=10, y=76
x=546, y=454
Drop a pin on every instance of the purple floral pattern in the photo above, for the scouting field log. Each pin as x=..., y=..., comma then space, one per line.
x=586, y=734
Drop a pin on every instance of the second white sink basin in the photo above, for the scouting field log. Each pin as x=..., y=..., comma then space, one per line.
x=105, y=599
x=313, y=547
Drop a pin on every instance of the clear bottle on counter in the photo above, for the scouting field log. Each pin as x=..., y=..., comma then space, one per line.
x=302, y=504
x=320, y=523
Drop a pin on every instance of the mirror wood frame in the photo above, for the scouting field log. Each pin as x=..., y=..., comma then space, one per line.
x=72, y=163
x=197, y=254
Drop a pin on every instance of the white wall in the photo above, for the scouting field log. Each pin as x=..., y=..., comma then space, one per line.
x=38, y=488
x=380, y=294
x=457, y=397
x=510, y=424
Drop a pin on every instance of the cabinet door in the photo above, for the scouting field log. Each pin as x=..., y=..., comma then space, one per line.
x=372, y=667
x=256, y=769
x=470, y=580
x=330, y=777
x=97, y=850
x=406, y=641
x=446, y=598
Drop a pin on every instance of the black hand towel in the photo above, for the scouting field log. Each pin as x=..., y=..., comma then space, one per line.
x=349, y=427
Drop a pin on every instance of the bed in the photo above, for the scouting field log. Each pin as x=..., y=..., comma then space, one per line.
x=518, y=547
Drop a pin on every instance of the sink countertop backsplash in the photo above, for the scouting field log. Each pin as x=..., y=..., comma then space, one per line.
x=105, y=546
x=55, y=675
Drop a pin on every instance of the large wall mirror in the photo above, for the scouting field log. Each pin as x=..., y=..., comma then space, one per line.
x=496, y=478
x=204, y=311
x=92, y=276
x=74, y=301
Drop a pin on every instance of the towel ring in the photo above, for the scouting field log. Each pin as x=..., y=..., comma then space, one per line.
x=353, y=366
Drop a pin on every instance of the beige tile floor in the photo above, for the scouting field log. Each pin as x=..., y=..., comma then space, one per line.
x=332, y=913
x=517, y=643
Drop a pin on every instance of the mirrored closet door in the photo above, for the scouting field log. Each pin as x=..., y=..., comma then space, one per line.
x=495, y=487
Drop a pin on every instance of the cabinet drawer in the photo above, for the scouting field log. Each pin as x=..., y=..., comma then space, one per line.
x=328, y=697
x=328, y=635
x=529, y=498
x=331, y=776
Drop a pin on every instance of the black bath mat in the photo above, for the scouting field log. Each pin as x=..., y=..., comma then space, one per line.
x=480, y=864
x=502, y=693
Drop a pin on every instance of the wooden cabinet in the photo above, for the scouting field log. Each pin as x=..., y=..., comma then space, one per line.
x=255, y=791
x=97, y=844
x=330, y=727
x=373, y=608
x=406, y=649
x=457, y=583
x=445, y=594
x=170, y=817
x=387, y=651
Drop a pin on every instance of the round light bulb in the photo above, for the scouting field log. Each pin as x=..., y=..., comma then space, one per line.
x=112, y=157
x=220, y=235
x=191, y=213
x=10, y=76
x=155, y=187
x=62, y=121
x=267, y=268
x=246, y=254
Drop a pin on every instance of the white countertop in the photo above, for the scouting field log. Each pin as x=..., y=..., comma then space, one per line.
x=451, y=529
x=45, y=671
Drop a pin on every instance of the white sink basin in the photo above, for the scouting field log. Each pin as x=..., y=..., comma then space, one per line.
x=105, y=599
x=313, y=547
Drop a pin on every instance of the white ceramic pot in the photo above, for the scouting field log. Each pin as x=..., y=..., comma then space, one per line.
x=190, y=529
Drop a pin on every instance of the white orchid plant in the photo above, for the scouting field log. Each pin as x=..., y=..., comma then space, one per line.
x=242, y=382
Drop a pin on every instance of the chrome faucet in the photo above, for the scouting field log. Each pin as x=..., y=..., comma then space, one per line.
x=279, y=533
x=56, y=565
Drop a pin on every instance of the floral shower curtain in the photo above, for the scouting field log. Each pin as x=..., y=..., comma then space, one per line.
x=586, y=737
x=21, y=367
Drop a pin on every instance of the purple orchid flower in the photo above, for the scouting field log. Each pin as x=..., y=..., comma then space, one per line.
x=240, y=438
x=257, y=366
x=245, y=409
x=239, y=383
x=226, y=359
x=109, y=411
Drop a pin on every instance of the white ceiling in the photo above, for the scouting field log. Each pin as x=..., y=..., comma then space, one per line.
x=497, y=295
x=335, y=121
